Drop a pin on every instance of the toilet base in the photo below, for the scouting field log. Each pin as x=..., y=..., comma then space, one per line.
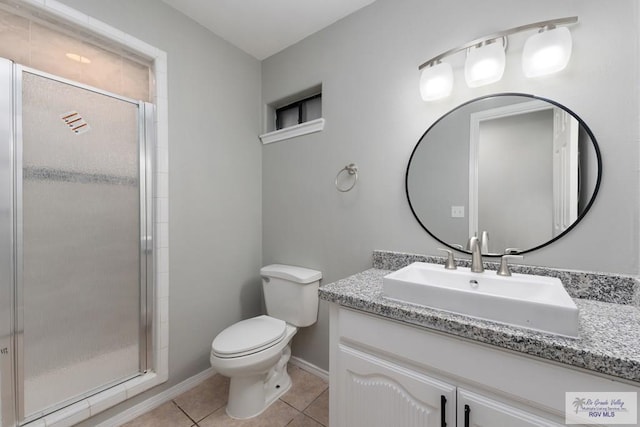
x=251, y=395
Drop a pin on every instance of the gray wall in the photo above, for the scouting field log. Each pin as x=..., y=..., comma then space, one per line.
x=367, y=64
x=214, y=173
x=439, y=178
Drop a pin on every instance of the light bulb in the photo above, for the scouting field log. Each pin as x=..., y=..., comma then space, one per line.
x=485, y=64
x=547, y=52
x=436, y=81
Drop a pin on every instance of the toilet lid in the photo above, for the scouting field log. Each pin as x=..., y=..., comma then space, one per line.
x=249, y=336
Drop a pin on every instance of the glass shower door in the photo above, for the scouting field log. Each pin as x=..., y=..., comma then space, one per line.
x=80, y=261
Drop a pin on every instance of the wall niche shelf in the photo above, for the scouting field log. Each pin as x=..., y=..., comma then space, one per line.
x=305, y=128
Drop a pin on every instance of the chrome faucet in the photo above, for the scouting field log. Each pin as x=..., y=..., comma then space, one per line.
x=476, y=255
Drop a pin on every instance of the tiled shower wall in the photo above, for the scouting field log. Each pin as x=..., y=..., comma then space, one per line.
x=35, y=45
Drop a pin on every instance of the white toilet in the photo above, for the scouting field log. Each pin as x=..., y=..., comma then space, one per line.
x=254, y=353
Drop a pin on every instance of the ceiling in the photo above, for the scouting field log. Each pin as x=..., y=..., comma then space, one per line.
x=262, y=28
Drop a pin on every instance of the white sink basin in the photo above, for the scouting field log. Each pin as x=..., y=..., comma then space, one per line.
x=534, y=302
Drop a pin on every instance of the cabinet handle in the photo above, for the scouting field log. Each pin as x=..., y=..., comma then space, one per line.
x=467, y=411
x=443, y=402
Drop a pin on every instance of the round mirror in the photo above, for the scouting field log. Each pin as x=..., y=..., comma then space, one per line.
x=515, y=170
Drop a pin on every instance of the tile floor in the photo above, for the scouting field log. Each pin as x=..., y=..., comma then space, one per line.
x=306, y=404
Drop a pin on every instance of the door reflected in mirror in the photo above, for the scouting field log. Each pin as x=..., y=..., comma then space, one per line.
x=515, y=170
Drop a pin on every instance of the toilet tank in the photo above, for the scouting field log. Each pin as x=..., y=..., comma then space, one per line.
x=291, y=293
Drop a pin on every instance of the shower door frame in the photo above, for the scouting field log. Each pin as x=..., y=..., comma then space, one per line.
x=146, y=155
x=7, y=288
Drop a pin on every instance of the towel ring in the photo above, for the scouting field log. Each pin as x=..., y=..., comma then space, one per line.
x=351, y=169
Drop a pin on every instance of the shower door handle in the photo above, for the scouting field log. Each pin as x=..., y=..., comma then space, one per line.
x=146, y=243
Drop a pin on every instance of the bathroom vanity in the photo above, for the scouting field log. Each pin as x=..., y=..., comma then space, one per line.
x=395, y=363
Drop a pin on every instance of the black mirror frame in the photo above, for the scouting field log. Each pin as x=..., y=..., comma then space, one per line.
x=571, y=227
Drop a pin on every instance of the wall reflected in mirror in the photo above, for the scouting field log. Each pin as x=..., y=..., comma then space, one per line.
x=515, y=170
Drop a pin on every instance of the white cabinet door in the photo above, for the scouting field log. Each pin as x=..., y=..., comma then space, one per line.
x=377, y=393
x=475, y=410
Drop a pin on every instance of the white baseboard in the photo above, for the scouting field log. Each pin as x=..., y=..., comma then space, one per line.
x=309, y=367
x=157, y=400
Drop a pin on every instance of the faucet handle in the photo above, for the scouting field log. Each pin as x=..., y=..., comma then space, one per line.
x=484, y=242
x=450, y=264
x=504, y=266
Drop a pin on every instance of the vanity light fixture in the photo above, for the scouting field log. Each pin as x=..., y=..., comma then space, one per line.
x=546, y=52
x=436, y=81
x=485, y=63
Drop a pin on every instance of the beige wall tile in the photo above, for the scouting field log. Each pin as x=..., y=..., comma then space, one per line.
x=135, y=80
x=49, y=49
x=14, y=33
x=104, y=71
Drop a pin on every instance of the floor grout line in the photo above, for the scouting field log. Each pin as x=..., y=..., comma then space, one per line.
x=185, y=412
x=309, y=405
x=290, y=405
x=318, y=421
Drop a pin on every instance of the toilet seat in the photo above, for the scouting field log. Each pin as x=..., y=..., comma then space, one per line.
x=248, y=337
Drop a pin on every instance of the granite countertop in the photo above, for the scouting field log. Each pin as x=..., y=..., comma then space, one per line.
x=609, y=341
